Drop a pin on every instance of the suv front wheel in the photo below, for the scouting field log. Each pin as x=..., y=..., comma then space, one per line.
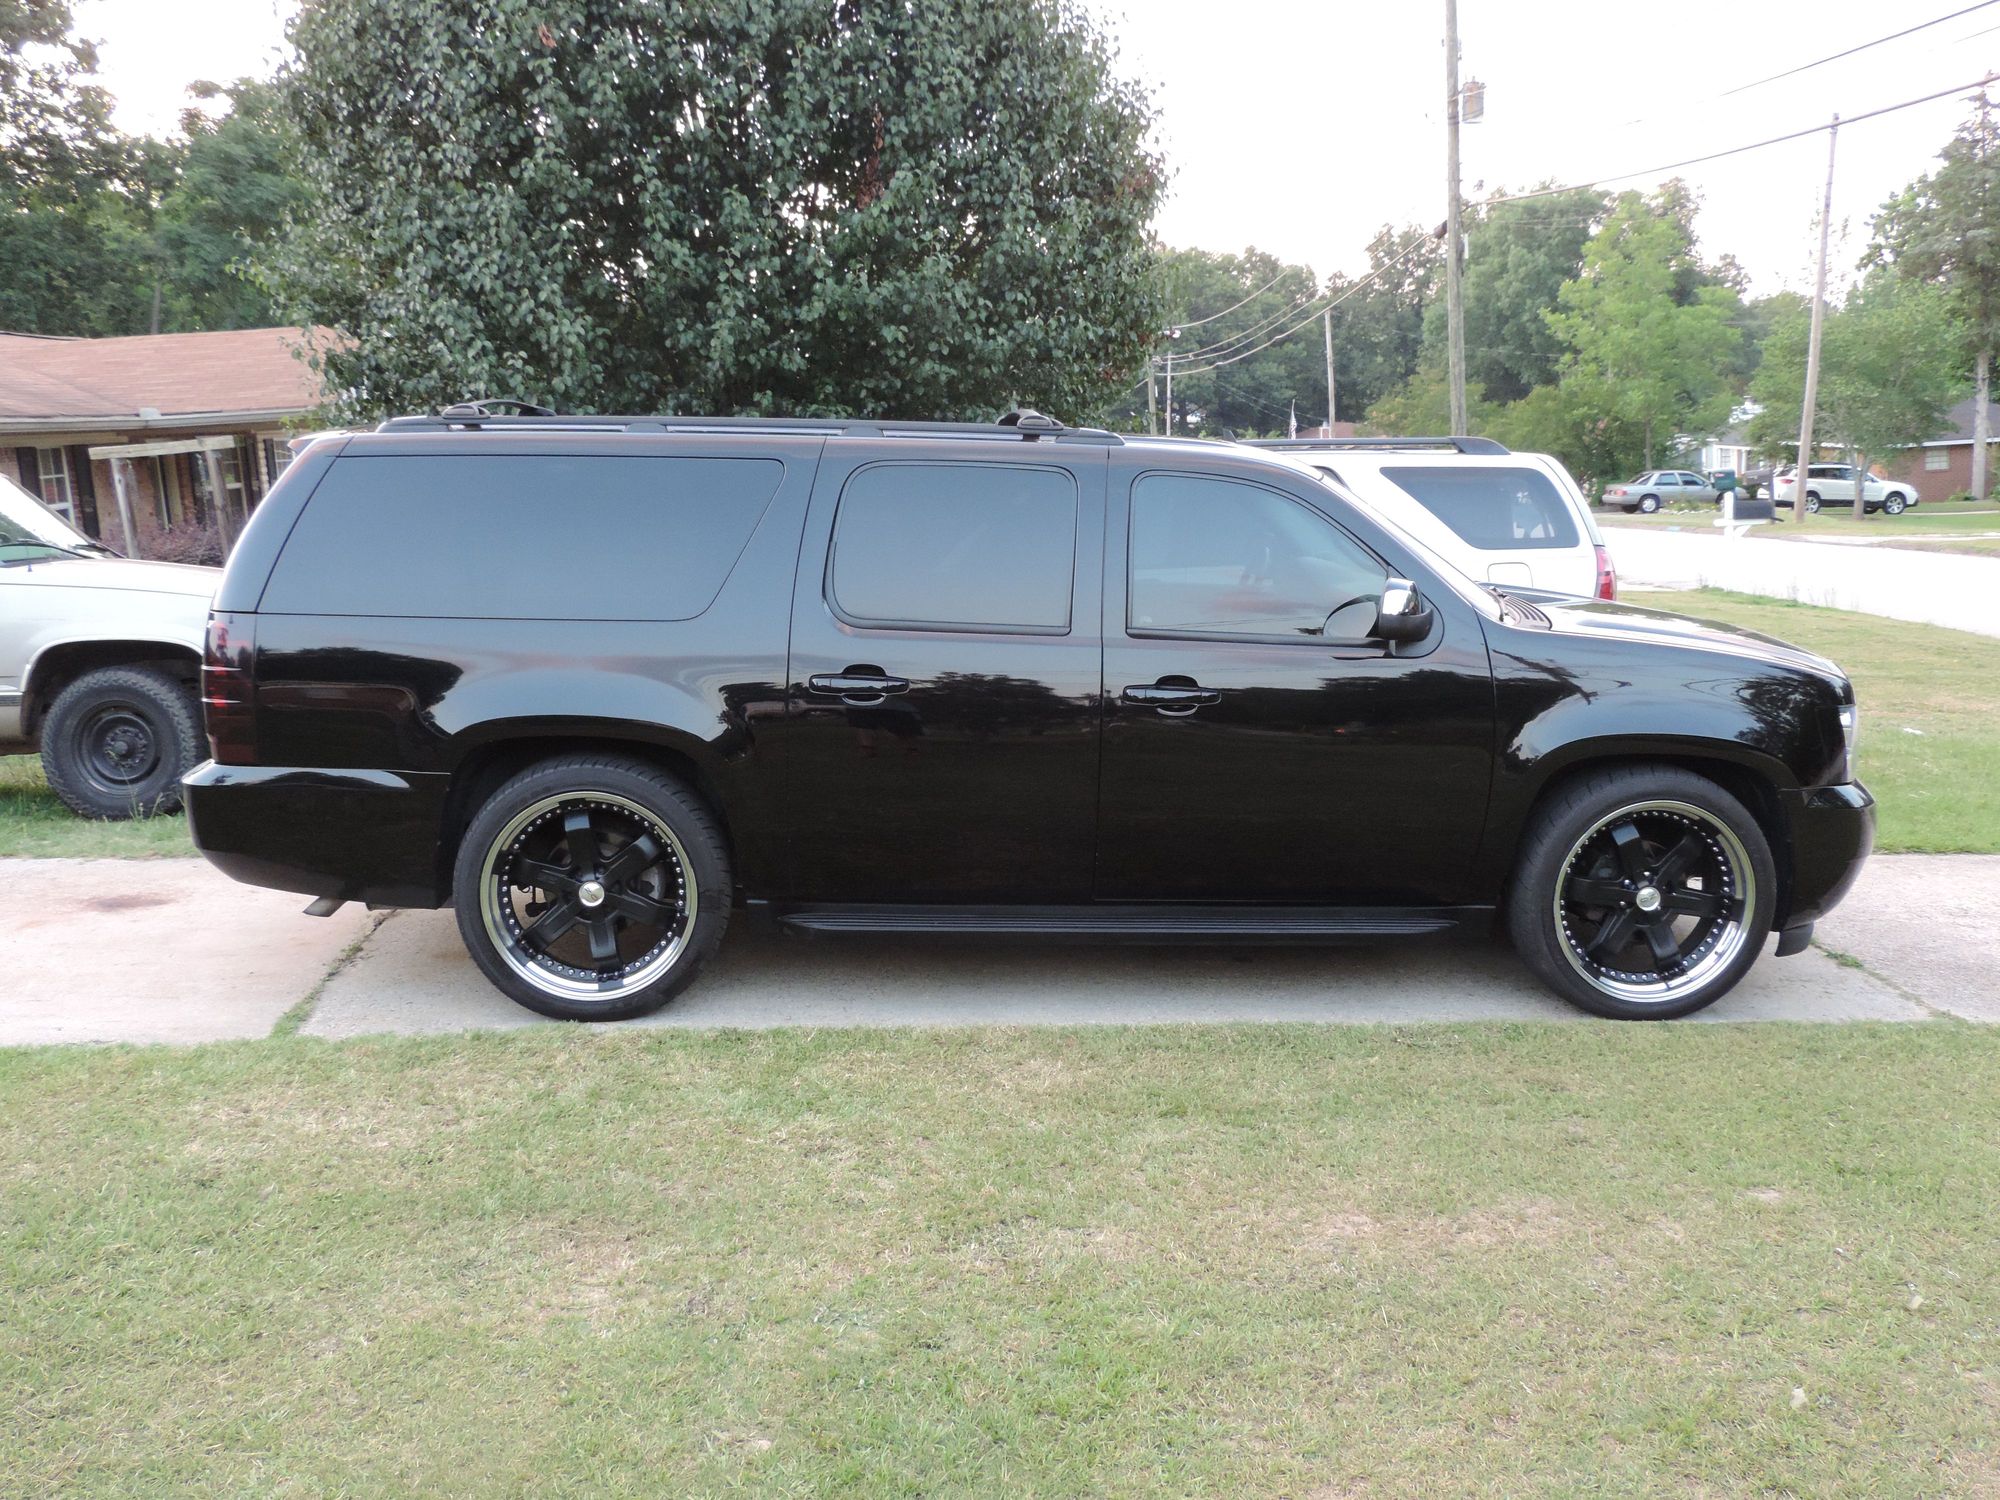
x=592, y=888
x=1642, y=893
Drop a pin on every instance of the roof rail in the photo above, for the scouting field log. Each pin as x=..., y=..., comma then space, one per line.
x=1459, y=444
x=1016, y=426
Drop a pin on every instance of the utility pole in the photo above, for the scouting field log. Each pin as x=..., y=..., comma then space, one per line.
x=1330, y=388
x=1170, y=333
x=1152, y=394
x=1812, y=339
x=1454, y=295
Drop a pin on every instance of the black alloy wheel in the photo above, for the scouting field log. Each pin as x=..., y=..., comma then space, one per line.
x=118, y=740
x=592, y=888
x=1643, y=892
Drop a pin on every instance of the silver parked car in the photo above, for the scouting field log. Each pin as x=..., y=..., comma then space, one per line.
x=100, y=656
x=1657, y=487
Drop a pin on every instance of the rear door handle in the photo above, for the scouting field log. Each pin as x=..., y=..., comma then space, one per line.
x=1168, y=697
x=857, y=687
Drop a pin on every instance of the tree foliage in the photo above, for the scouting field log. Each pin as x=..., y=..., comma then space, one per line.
x=923, y=210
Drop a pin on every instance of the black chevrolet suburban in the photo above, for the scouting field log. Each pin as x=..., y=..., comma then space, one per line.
x=597, y=681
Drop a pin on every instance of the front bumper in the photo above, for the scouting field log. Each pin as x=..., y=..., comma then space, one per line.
x=356, y=835
x=1833, y=828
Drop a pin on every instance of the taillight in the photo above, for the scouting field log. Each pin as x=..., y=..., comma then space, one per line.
x=228, y=690
x=1607, y=578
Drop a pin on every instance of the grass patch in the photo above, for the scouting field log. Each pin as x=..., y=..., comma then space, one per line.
x=33, y=822
x=1938, y=526
x=1930, y=699
x=1191, y=1261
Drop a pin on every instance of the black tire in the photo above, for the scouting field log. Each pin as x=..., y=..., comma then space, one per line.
x=598, y=945
x=1895, y=505
x=1578, y=876
x=117, y=741
x=1648, y=504
x=1812, y=503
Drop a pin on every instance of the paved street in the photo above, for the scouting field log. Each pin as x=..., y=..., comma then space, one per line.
x=1931, y=588
x=170, y=951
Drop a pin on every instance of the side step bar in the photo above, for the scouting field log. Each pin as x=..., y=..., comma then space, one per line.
x=1144, y=924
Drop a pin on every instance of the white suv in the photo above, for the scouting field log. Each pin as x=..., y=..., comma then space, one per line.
x=99, y=657
x=1833, y=484
x=1498, y=516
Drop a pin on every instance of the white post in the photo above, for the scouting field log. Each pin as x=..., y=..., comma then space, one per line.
x=122, y=488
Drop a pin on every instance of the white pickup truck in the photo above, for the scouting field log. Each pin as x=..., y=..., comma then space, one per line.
x=100, y=657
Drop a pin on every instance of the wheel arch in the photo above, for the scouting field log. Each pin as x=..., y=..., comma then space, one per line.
x=60, y=663
x=504, y=753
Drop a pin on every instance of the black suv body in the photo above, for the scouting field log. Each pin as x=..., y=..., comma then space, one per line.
x=596, y=681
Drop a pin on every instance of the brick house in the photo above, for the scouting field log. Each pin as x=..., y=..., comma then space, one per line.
x=1942, y=467
x=161, y=394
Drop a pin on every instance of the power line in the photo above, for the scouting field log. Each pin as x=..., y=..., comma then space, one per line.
x=1244, y=335
x=1256, y=294
x=1775, y=140
x=1863, y=47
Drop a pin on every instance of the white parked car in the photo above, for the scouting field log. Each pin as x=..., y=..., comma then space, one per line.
x=1500, y=517
x=1833, y=485
x=100, y=657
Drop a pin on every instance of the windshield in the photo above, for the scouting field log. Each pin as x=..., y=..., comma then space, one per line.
x=29, y=527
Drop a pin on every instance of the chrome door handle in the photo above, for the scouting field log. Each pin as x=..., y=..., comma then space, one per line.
x=858, y=688
x=1172, y=698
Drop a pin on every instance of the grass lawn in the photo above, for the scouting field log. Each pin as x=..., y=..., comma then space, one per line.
x=33, y=822
x=1930, y=713
x=1939, y=526
x=1707, y=1260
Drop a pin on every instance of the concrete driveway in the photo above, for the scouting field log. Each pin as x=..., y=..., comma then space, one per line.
x=169, y=951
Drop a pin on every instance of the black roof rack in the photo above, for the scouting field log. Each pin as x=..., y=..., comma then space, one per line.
x=1458, y=444
x=1024, y=425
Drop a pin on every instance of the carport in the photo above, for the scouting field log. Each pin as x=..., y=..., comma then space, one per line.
x=120, y=456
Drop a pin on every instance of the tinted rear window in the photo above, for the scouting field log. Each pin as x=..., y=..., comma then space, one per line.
x=1493, y=509
x=968, y=546
x=521, y=537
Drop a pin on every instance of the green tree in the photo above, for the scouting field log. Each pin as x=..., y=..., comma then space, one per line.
x=1650, y=342
x=1890, y=366
x=1945, y=229
x=922, y=210
x=235, y=187
x=1378, y=324
x=1518, y=256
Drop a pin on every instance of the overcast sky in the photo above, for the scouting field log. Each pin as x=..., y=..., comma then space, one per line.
x=1301, y=126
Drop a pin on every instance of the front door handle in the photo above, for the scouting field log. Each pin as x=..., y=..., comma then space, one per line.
x=860, y=688
x=1172, y=697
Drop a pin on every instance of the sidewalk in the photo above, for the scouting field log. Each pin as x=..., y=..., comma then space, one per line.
x=171, y=951
x=1929, y=588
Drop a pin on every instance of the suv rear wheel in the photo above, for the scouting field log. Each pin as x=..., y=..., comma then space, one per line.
x=1812, y=502
x=118, y=740
x=592, y=888
x=1642, y=893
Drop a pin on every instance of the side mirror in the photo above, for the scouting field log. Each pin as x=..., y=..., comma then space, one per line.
x=1402, y=614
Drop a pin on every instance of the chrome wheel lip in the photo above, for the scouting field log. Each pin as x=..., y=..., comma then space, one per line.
x=495, y=908
x=1724, y=948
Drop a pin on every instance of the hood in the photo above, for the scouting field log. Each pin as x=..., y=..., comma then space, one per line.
x=123, y=573
x=1569, y=615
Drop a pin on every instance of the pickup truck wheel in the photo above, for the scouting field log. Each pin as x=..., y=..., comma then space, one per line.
x=592, y=888
x=1648, y=504
x=1643, y=893
x=118, y=740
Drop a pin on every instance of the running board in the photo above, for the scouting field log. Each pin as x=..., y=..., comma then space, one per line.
x=1146, y=924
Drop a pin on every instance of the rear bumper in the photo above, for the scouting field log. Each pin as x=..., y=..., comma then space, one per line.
x=358, y=835
x=1833, y=828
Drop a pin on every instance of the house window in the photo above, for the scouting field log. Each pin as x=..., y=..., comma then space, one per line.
x=58, y=490
x=1936, y=459
x=277, y=459
x=231, y=461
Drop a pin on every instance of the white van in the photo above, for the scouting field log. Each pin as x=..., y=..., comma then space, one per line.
x=1500, y=517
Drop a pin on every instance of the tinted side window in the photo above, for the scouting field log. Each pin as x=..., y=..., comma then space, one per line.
x=521, y=537
x=955, y=546
x=1494, y=509
x=1218, y=557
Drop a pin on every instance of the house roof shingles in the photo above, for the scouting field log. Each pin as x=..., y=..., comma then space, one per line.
x=80, y=383
x=1958, y=424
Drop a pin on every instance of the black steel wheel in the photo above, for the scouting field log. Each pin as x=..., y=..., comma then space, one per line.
x=592, y=888
x=1644, y=892
x=117, y=741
